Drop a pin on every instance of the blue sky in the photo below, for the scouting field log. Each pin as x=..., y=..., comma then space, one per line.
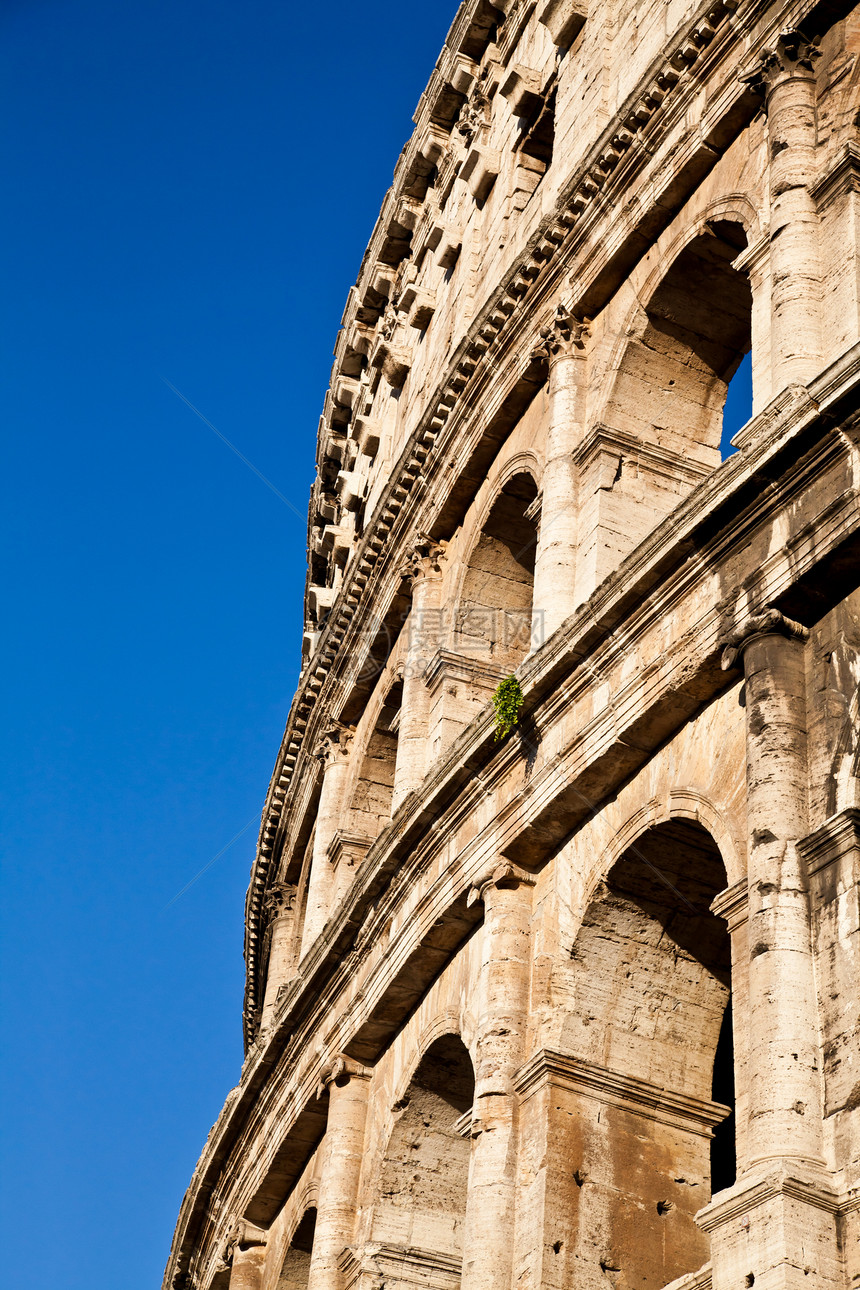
x=188, y=191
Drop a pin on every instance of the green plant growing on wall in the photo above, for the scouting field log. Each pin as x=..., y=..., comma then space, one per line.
x=507, y=701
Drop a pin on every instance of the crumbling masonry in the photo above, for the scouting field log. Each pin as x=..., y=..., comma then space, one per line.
x=576, y=1009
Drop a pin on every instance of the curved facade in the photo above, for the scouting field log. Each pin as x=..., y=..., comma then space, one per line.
x=577, y=1007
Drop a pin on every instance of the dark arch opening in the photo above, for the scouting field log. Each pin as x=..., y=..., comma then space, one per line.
x=421, y=1202
x=296, y=1266
x=370, y=807
x=653, y=990
x=672, y=383
x=495, y=616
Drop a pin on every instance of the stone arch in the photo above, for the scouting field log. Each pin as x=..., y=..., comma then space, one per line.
x=690, y=329
x=652, y=1026
x=296, y=1265
x=494, y=605
x=373, y=777
x=679, y=803
x=420, y=1203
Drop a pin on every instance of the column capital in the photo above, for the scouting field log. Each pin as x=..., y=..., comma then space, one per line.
x=279, y=899
x=242, y=1235
x=339, y=1071
x=791, y=55
x=334, y=743
x=564, y=337
x=505, y=875
x=422, y=559
x=732, y=904
x=767, y=622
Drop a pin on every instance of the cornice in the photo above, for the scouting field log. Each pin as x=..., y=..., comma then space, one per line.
x=788, y=1179
x=732, y=904
x=594, y=188
x=834, y=839
x=613, y=1088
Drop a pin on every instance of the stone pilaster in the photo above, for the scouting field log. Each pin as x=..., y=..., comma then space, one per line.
x=333, y=752
x=777, y=1226
x=563, y=345
x=832, y=858
x=281, y=910
x=785, y=1080
x=348, y=1085
x=785, y=75
x=424, y=627
x=246, y=1254
x=503, y=995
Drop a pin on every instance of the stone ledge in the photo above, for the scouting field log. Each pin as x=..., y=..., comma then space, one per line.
x=612, y=1088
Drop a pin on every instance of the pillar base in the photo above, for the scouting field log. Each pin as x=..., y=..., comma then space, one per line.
x=776, y=1229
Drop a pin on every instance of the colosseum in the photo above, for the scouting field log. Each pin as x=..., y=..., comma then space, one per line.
x=552, y=934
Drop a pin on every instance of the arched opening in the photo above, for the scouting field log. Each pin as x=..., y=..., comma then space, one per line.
x=296, y=1266
x=653, y=985
x=421, y=1203
x=494, y=622
x=370, y=807
x=696, y=329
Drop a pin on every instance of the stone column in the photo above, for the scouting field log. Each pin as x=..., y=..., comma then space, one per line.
x=776, y=1226
x=333, y=752
x=348, y=1085
x=280, y=908
x=503, y=1001
x=554, y=598
x=247, y=1255
x=422, y=568
x=785, y=1109
x=785, y=76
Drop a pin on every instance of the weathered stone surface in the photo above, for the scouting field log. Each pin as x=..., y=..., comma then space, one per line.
x=579, y=1007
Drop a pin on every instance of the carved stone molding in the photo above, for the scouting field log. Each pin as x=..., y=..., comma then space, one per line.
x=627, y=1092
x=474, y=115
x=424, y=559
x=767, y=622
x=280, y=899
x=609, y=447
x=792, y=54
x=348, y=848
x=564, y=337
x=334, y=744
x=841, y=176
x=732, y=904
x=377, y=1265
x=505, y=875
x=788, y=1180
x=564, y=19
x=448, y=665
x=340, y=1070
x=836, y=837
x=242, y=1235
